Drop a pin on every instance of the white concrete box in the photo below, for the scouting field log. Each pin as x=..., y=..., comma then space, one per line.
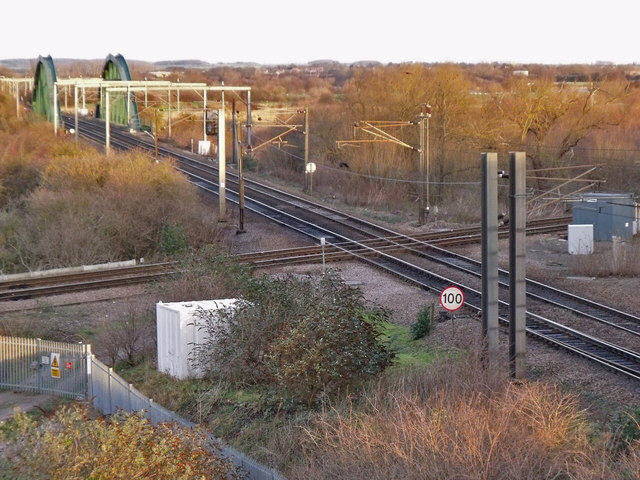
x=204, y=147
x=179, y=330
x=580, y=239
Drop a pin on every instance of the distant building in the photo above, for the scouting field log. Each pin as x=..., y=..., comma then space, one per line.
x=160, y=74
x=521, y=73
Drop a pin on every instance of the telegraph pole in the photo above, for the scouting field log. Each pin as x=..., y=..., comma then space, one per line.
x=517, y=259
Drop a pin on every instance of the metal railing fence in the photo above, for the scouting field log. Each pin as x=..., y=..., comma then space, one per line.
x=44, y=366
x=28, y=365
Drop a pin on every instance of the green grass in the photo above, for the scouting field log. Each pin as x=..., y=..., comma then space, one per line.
x=409, y=352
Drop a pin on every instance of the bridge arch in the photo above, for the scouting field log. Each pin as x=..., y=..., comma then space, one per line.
x=123, y=108
x=43, y=89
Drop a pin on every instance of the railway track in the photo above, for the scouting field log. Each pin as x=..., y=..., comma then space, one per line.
x=360, y=239
x=46, y=285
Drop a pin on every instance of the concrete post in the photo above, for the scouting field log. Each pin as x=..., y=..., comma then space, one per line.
x=517, y=259
x=75, y=110
x=222, y=191
x=55, y=109
x=204, y=117
x=490, y=255
x=169, y=95
x=307, y=184
x=249, y=124
x=421, y=170
x=107, y=138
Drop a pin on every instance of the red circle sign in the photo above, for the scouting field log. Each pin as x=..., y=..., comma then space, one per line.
x=452, y=299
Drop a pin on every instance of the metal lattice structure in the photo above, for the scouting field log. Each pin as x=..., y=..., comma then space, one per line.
x=123, y=109
x=44, y=89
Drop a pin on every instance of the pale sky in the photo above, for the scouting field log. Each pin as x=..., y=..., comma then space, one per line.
x=286, y=31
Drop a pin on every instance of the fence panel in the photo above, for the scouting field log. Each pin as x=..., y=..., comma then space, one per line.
x=110, y=393
x=43, y=366
x=70, y=370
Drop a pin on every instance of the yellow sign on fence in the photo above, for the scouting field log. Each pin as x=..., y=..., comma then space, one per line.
x=55, y=365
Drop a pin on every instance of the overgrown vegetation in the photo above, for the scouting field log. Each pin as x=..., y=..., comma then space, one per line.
x=65, y=204
x=614, y=258
x=70, y=445
x=455, y=421
x=298, y=337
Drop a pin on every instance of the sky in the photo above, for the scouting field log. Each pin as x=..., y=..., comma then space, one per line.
x=287, y=31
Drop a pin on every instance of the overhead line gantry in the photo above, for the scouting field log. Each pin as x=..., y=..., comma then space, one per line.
x=118, y=102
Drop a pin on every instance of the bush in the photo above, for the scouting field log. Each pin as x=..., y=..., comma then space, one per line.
x=72, y=447
x=299, y=337
x=92, y=209
x=424, y=323
x=627, y=428
x=173, y=239
x=127, y=335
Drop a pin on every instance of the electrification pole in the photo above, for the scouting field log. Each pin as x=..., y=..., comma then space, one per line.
x=517, y=259
x=423, y=167
x=249, y=125
x=237, y=153
x=222, y=192
x=489, y=306
x=155, y=131
x=55, y=109
x=107, y=139
x=75, y=110
x=306, y=151
x=204, y=117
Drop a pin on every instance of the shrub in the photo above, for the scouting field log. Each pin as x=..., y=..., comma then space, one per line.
x=424, y=322
x=297, y=336
x=627, y=428
x=127, y=335
x=93, y=209
x=173, y=239
x=70, y=446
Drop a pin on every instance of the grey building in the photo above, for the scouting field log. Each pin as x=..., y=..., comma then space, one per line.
x=611, y=214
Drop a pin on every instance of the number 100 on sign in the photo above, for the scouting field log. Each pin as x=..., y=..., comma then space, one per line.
x=452, y=298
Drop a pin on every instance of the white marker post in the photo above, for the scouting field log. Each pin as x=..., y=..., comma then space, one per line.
x=323, y=242
x=309, y=169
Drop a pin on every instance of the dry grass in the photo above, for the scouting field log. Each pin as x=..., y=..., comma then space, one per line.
x=457, y=422
x=610, y=259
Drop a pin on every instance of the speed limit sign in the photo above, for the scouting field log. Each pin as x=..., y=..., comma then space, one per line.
x=452, y=298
